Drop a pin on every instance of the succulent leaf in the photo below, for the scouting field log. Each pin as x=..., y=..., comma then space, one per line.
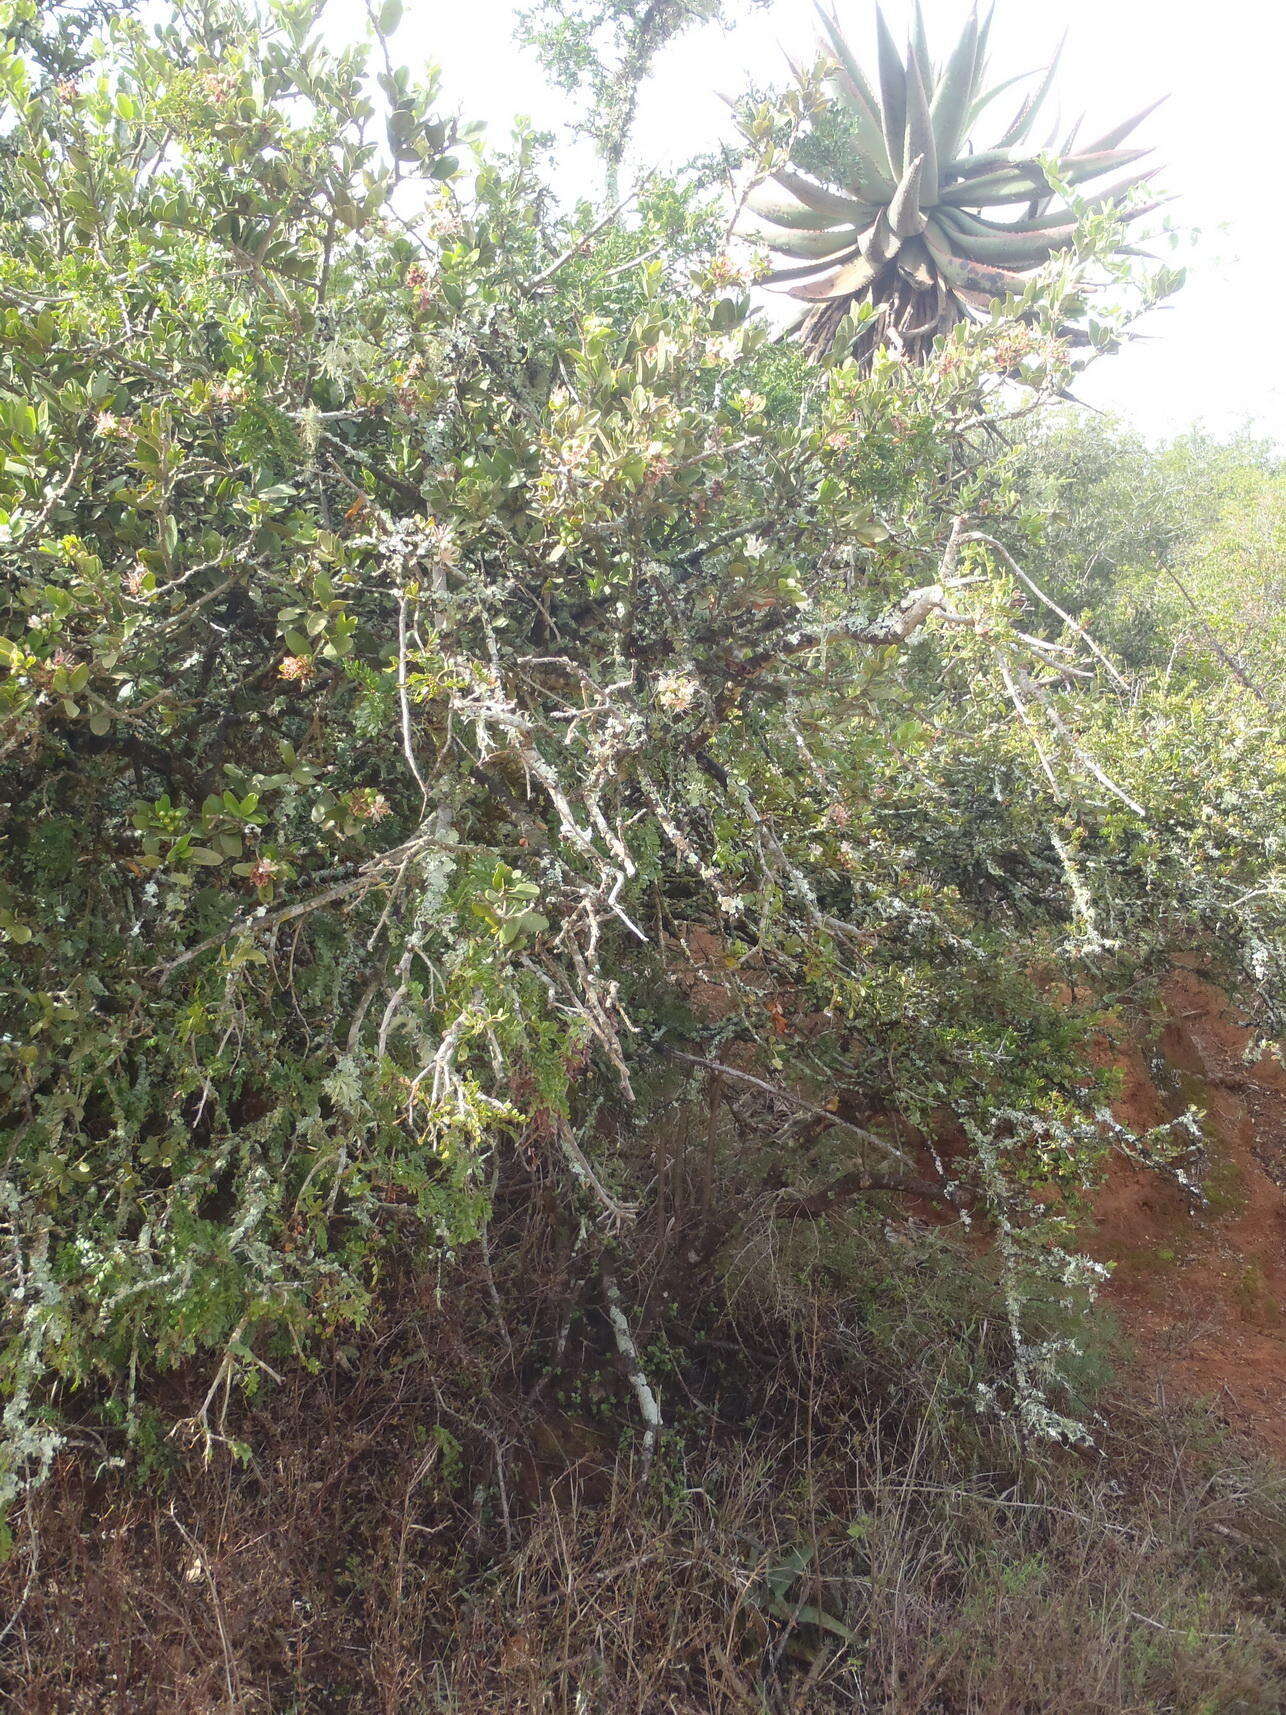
x=919, y=141
x=989, y=282
x=906, y=215
x=880, y=244
x=1090, y=165
x=1013, y=249
x=916, y=265
x=983, y=101
x=869, y=175
x=863, y=108
x=954, y=95
x=892, y=93
x=816, y=244
x=1016, y=184
x=803, y=202
x=919, y=49
x=846, y=58
x=853, y=277
x=805, y=271
x=1116, y=136
x=1025, y=118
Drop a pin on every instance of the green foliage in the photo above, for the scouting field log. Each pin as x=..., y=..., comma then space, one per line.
x=1169, y=552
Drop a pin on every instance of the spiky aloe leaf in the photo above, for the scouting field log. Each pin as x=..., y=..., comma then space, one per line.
x=980, y=50
x=791, y=200
x=954, y=94
x=855, y=276
x=1025, y=118
x=817, y=245
x=920, y=45
x=854, y=91
x=1116, y=136
x=978, y=277
x=846, y=58
x=805, y=271
x=1092, y=163
x=916, y=264
x=868, y=175
x=881, y=244
x=892, y=94
x=918, y=138
x=1108, y=197
x=974, y=166
x=1018, y=183
x=984, y=99
x=906, y=216
x=974, y=240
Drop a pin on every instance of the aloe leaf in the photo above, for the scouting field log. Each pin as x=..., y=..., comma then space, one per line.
x=954, y=94
x=966, y=276
x=1101, y=199
x=974, y=166
x=916, y=264
x=814, y=244
x=1117, y=135
x=853, y=276
x=980, y=51
x=1025, y=118
x=846, y=58
x=1014, y=249
x=892, y=93
x=905, y=213
x=982, y=102
x=920, y=46
x=1019, y=183
x=871, y=173
x=919, y=142
x=767, y=204
x=805, y=271
x=880, y=244
x=1091, y=164
x=804, y=201
x=862, y=106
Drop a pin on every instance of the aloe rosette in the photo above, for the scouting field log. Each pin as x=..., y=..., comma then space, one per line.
x=907, y=218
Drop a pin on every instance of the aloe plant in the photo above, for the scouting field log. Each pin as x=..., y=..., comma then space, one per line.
x=898, y=210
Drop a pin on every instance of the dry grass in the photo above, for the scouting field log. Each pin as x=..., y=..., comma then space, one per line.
x=437, y=1523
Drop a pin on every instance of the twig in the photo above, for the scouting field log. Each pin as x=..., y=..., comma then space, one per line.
x=1229, y=661
x=798, y=1102
x=1050, y=603
x=649, y=1409
x=404, y=704
x=576, y=249
x=820, y=1202
x=231, y=1677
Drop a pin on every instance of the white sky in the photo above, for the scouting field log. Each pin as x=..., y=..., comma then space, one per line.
x=1217, y=356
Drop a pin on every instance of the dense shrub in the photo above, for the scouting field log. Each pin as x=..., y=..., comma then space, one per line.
x=428, y=614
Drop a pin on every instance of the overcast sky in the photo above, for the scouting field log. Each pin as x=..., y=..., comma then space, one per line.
x=1218, y=356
